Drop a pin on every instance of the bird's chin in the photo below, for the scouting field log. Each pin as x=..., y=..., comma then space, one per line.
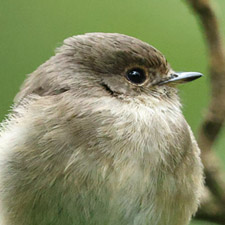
x=164, y=92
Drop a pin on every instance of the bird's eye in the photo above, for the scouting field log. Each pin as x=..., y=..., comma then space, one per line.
x=136, y=75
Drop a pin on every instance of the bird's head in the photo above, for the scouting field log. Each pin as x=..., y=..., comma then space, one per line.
x=106, y=64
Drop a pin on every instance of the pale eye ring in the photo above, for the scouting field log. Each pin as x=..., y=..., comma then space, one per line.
x=136, y=76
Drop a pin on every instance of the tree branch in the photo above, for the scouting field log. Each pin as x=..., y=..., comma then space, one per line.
x=215, y=117
x=210, y=209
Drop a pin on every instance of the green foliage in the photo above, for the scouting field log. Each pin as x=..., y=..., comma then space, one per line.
x=31, y=30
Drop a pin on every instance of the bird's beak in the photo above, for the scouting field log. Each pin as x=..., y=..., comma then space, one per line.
x=181, y=77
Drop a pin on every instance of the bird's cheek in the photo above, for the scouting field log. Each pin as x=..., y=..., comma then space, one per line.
x=117, y=86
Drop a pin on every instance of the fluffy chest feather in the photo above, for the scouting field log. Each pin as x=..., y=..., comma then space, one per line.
x=131, y=166
x=149, y=179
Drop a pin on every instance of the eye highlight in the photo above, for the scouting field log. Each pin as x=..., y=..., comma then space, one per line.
x=136, y=75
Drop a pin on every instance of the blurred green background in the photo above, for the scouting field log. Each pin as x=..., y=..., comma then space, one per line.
x=31, y=30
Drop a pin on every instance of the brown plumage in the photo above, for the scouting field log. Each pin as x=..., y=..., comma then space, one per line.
x=97, y=137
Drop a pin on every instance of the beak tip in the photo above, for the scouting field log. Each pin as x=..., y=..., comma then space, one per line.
x=194, y=76
x=198, y=74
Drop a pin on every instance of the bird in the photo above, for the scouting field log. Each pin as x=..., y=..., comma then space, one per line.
x=96, y=136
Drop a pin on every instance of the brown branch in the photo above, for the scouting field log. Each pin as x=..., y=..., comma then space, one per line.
x=214, y=120
x=210, y=209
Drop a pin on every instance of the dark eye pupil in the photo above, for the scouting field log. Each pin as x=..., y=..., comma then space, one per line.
x=136, y=76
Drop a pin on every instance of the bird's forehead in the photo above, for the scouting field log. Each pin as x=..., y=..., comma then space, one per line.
x=117, y=50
